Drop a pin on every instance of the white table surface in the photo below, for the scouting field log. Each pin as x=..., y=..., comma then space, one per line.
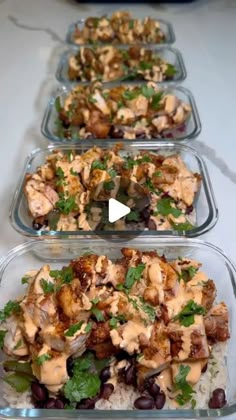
x=31, y=41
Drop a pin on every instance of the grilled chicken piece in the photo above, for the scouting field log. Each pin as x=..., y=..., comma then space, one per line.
x=73, y=301
x=130, y=336
x=156, y=356
x=217, y=323
x=41, y=197
x=55, y=337
x=90, y=269
x=208, y=294
x=53, y=372
x=14, y=342
x=188, y=342
x=100, y=341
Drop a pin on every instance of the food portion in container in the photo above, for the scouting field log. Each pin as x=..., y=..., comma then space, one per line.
x=109, y=63
x=120, y=28
x=71, y=191
x=139, y=332
x=129, y=112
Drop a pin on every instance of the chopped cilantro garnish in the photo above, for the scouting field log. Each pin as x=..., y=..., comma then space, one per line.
x=25, y=279
x=57, y=104
x=182, y=385
x=2, y=336
x=165, y=208
x=182, y=226
x=157, y=173
x=155, y=104
x=145, y=65
x=98, y=314
x=147, y=91
x=108, y=185
x=133, y=274
x=186, y=315
x=18, y=344
x=188, y=273
x=43, y=358
x=148, y=184
x=170, y=71
x=131, y=24
x=97, y=164
x=12, y=307
x=115, y=319
x=88, y=327
x=65, y=275
x=73, y=329
x=66, y=204
x=92, y=99
x=112, y=172
x=47, y=286
x=133, y=216
x=72, y=172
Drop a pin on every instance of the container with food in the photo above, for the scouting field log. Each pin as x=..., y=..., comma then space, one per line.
x=67, y=191
x=127, y=112
x=120, y=28
x=100, y=327
x=112, y=63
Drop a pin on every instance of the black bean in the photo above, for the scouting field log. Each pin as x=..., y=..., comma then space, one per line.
x=204, y=369
x=131, y=375
x=105, y=374
x=38, y=404
x=50, y=403
x=189, y=209
x=218, y=399
x=59, y=404
x=37, y=226
x=88, y=404
x=151, y=386
x=145, y=213
x=39, y=392
x=122, y=355
x=144, y=403
x=106, y=391
x=160, y=400
x=151, y=225
x=116, y=134
x=70, y=366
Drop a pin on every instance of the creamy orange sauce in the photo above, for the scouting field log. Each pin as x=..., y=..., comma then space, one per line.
x=128, y=339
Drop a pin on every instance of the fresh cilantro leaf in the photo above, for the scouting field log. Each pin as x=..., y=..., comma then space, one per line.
x=47, y=286
x=170, y=71
x=12, y=307
x=155, y=104
x=133, y=216
x=60, y=173
x=73, y=329
x=57, y=104
x=82, y=387
x=98, y=165
x=95, y=300
x=25, y=279
x=165, y=208
x=182, y=226
x=188, y=273
x=148, y=184
x=112, y=172
x=145, y=65
x=18, y=344
x=131, y=24
x=157, y=173
x=84, y=383
x=92, y=99
x=182, y=385
x=43, y=358
x=95, y=22
x=2, y=336
x=148, y=309
x=133, y=274
x=65, y=275
x=98, y=314
x=147, y=91
x=115, y=319
x=66, y=205
x=108, y=185
x=72, y=172
x=125, y=54
x=186, y=315
x=88, y=327
x=130, y=94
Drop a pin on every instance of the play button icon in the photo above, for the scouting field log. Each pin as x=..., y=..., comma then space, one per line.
x=116, y=210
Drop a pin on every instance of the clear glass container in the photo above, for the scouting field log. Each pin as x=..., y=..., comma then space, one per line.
x=33, y=254
x=205, y=205
x=191, y=129
x=166, y=27
x=169, y=54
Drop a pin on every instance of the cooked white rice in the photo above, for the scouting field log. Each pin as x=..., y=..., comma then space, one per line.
x=124, y=396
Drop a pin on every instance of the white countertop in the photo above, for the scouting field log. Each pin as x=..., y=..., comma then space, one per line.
x=31, y=41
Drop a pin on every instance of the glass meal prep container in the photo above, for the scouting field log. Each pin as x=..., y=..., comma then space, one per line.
x=205, y=206
x=186, y=131
x=168, y=54
x=165, y=26
x=33, y=254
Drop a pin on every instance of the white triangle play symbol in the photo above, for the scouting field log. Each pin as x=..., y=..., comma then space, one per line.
x=116, y=210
